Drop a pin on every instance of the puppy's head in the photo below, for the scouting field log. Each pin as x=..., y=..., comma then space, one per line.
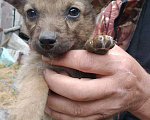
x=56, y=26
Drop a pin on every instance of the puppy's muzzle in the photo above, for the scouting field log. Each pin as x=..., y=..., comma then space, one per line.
x=47, y=42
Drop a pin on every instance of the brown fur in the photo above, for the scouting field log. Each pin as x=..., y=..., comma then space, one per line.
x=71, y=34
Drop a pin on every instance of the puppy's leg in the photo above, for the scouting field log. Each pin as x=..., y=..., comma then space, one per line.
x=33, y=91
x=100, y=44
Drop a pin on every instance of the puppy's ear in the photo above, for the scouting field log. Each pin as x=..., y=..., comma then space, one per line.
x=99, y=4
x=17, y=4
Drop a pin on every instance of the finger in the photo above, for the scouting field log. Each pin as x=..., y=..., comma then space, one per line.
x=78, y=89
x=66, y=106
x=82, y=109
x=60, y=116
x=88, y=62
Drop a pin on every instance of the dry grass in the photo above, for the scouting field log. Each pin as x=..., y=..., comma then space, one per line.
x=7, y=94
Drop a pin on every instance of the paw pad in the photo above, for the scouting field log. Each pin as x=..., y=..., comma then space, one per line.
x=101, y=44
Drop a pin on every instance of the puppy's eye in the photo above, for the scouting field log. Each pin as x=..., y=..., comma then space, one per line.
x=74, y=12
x=31, y=13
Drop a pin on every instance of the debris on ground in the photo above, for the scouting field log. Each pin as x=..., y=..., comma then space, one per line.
x=3, y=114
x=5, y=57
x=8, y=91
x=12, y=52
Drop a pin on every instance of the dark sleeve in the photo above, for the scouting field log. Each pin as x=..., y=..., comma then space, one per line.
x=125, y=116
x=140, y=44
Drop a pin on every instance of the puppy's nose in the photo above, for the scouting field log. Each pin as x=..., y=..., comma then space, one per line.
x=47, y=42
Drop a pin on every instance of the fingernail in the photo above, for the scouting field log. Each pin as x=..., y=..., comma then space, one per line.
x=45, y=58
x=48, y=111
x=45, y=71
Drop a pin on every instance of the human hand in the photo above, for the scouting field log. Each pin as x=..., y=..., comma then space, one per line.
x=121, y=84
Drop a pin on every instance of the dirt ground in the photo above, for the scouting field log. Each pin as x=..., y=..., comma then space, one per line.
x=7, y=92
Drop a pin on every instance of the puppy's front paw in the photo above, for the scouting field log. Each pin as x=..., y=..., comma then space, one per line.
x=101, y=44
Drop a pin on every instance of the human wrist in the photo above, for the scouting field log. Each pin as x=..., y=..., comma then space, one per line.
x=143, y=112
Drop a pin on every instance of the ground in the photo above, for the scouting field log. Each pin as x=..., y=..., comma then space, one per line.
x=7, y=93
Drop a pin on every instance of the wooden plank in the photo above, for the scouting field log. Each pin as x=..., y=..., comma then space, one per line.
x=6, y=18
x=5, y=42
x=1, y=29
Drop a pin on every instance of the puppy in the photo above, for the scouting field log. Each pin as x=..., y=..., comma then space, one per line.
x=54, y=28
